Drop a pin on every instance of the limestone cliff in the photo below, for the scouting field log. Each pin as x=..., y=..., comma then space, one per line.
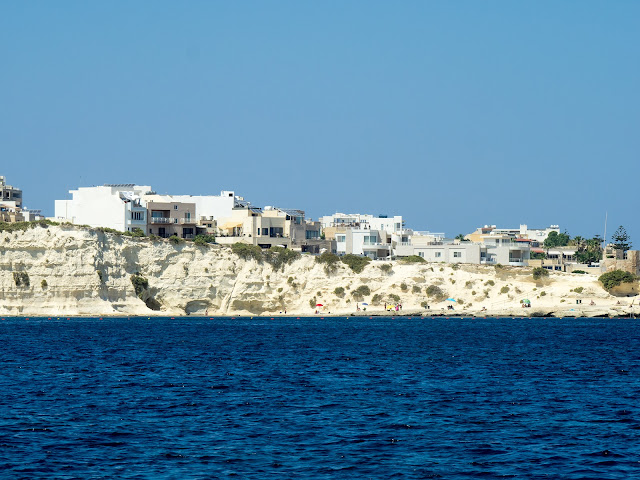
x=65, y=270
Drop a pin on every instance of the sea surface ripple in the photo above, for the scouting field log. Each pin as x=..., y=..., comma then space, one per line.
x=316, y=398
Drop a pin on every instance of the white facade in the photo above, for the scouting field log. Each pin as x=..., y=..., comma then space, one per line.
x=112, y=206
x=365, y=221
x=449, y=253
x=535, y=234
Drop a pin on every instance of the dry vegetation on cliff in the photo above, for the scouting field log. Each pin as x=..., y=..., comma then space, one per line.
x=49, y=270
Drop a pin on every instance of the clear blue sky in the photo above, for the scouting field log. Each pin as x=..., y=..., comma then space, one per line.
x=453, y=114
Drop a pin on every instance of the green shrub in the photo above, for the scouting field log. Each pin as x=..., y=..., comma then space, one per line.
x=436, y=293
x=404, y=287
x=109, y=230
x=579, y=271
x=376, y=299
x=468, y=284
x=386, y=267
x=44, y=284
x=539, y=273
x=543, y=293
x=504, y=289
x=360, y=292
x=280, y=290
x=23, y=226
x=313, y=302
x=100, y=275
x=455, y=266
x=247, y=252
x=578, y=289
x=175, y=239
x=203, y=239
x=412, y=259
x=290, y=280
x=330, y=262
x=460, y=301
x=415, y=289
x=278, y=257
x=140, y=284
x=424, y=304
x=355, y=262
x=473, y=292
x=21, y=279
x=394, y=297
x=615, y=278
x=491, y=283
x=339, y=291
x=136, y=232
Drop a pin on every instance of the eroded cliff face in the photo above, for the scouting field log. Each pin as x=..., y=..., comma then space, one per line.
x=69, y=270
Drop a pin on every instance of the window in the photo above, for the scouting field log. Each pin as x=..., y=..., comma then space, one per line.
x=175, y=207
x=312, y=234
x=421, y=254
x=438, y=254
x=457, y=254
x=137, y=215
x=341, y=238
x=265, y=231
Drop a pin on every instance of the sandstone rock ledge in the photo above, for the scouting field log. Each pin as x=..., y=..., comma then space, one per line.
x=66, y=270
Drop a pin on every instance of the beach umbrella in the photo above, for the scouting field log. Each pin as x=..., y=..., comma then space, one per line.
x=319, y=305
x=451, y=299
x=525, y=300
x=365, y=304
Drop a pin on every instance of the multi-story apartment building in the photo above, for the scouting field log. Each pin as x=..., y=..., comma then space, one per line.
x=10, y=196
x=11, y=214
x=116, y=206
x=501, y=249
x=537, y=236
x=363, y=234
x=168, y=218
x=271, y=226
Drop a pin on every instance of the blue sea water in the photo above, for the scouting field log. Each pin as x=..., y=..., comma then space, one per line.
x=316, y=398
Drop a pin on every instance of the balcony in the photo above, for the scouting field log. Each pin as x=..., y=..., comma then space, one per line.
x=188, y=221
x=161, y=220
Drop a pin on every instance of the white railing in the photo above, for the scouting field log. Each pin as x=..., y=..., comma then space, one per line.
x=187, y=220
x=163, y=220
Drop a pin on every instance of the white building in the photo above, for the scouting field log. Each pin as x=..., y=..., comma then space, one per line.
x=502, y=250
x=365, y=221
x=116, y=206
x=363, y=234
x=208, y=207
x=536, y=234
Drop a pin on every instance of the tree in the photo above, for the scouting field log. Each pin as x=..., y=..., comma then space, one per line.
x=615, y=278
x=621, y=240
x=590, y=251
x=540, y=272
x=578, y=241
x=556, y=239
x=460, y=237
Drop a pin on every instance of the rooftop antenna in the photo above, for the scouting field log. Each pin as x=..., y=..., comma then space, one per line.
x=604, y=239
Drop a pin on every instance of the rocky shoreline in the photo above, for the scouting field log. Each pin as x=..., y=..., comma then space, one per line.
x=75, y=271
